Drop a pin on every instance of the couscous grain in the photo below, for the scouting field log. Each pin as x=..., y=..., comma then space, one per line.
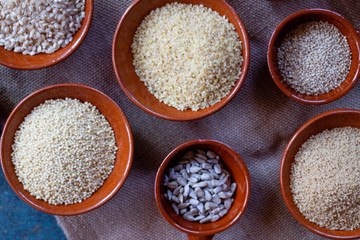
x=188, y=56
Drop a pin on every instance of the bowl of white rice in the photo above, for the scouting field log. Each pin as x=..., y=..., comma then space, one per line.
x=180, y=60
x=36, y=34
x=319, y=174
x=66, y=149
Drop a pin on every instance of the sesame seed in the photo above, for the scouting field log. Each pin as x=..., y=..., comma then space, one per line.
x=314, y=58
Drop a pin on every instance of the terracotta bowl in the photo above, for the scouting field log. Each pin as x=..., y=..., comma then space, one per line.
x=239, y=173
x=19, y=61
x=125, y=71
x=114, y=116
x=328, y=120
x=292, y=22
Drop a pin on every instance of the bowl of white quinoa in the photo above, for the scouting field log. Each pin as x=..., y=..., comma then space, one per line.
x=313, y=56
x=319, y=174
x=180, y=60
x=36, y=34
x=66, y=149
x=220, y=202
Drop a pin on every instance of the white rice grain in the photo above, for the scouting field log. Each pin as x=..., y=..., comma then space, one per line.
x=43, y=23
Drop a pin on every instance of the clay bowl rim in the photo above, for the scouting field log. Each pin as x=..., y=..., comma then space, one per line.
x=272, y=64
x=284, y=178
x=61, y=209
x=190, y=115
x=43, y=60
x=193, y=234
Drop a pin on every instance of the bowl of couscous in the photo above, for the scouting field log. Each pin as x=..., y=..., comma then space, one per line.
x=180, y=60
x=36, y=34
x=66, y=149
x=319, y=174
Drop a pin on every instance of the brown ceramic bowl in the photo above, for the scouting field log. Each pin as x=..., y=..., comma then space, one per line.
x=129, y=80
x=327, y=120
x=26, y=62
x=114, y=116
x=239, y=173
x=293, y=21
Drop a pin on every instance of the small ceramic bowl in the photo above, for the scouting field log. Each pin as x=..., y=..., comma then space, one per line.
x=129, y=80
x=114, y=116
x=239, y=173
x=292, y=22
x=26, y=62
x=327, y=120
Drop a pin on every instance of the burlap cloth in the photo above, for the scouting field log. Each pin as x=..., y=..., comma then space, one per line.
x=257, y=123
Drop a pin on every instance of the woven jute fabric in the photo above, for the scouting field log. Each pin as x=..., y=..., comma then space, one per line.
x=257, y=123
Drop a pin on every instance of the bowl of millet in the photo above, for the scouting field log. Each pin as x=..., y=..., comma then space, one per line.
x=66, y=149
x=180, y=60
x=36, y=34
x=320, y=177
x=202, y=188
x=313, y=56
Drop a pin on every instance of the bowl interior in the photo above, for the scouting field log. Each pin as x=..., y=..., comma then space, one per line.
x=239, y=173
x=328, y=120
x=114, y=116
x=292, y=22
x=125, y=71
x=19, y=61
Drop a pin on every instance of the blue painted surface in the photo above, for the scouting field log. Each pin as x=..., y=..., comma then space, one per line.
x=18, y=220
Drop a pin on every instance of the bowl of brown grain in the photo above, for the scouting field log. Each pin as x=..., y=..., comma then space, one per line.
x=319, y=174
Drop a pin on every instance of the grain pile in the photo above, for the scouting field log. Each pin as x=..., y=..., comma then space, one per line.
x=63, y=151
x=325, y=179
x=39, y=26
x=314, y=58
x=188, y=56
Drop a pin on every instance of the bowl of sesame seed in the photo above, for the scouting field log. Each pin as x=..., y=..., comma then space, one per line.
x=313, y=56
x=66, y=149
x=37, y=34
x=319, y=174
x=168, y=74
